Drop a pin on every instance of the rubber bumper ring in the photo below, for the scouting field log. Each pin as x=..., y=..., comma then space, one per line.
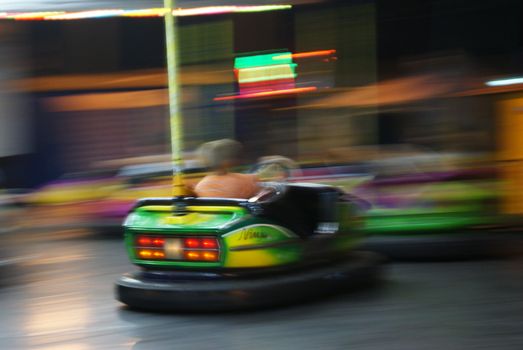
x=358, y=270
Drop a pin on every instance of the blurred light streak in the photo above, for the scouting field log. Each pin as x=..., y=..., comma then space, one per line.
x=32, y=16
x=271, y=85
x=305, y=54
x=108, y=101
x=503, y=82
x=155, y=78
x=86, y=14
x=262, y=8
x=212, y=10
x=152, y=12
x=387, y=93
x=267, y=93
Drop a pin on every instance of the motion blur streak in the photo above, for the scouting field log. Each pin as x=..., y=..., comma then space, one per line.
x=306, y=54
x=86, y=14
x=32, y=15
x=152, y=12
x=156, y=12
x=502, y=82
x=267, y=93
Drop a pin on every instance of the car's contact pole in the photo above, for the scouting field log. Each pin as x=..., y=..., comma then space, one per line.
x=175, y=116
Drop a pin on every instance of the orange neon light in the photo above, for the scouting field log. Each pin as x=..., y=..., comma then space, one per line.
x=267, y=93
x=306, y=54
x=313, y=54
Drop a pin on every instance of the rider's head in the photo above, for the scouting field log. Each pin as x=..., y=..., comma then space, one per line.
x=221, y=155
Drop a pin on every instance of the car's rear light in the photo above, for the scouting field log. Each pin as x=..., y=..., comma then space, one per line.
x=191, y=243
x=144, y=241
x=201, y=255
x=209, y=243
x=150, y=241
x=150, y=254
x=192, y=255
x=204, y=249
x=210, y=255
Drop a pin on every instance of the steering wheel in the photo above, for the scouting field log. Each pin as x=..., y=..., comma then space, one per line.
x=274, y=173
x=270, y=192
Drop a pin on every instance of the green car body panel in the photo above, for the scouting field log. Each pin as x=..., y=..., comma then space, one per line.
x=245, y=240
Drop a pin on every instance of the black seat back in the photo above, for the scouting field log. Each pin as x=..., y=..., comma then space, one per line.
x=303, y=206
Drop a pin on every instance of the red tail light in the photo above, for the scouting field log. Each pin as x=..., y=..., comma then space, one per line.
x=158, y=242
x=204, y=249
x=150, y=241
x=191, y=243
x=209, y=243
x=144, y=241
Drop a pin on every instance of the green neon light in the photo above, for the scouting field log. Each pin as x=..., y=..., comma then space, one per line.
x=263, y=60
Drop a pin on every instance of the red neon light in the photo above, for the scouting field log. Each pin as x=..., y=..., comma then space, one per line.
x=267, y=93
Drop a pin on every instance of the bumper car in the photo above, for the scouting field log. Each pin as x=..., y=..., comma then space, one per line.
x=438, y=215
x=290, y=242
x=287, y=243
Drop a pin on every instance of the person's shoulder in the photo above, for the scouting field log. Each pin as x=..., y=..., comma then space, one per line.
x=246, y=177
x=206, y=179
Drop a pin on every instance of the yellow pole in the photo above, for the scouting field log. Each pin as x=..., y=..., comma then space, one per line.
x=175, y=116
